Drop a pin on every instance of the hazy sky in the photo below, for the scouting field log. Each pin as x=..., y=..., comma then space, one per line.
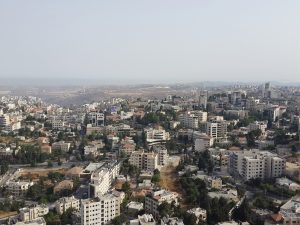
x=151, y=40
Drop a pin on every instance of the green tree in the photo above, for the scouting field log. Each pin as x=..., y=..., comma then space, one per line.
x=156, y=176
x=4, y=167
x=126, y=187
x=164, y=209
x=190, y=219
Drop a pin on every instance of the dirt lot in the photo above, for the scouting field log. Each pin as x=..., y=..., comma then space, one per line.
x=7, y=214
x=169, y=179
x=34, y=174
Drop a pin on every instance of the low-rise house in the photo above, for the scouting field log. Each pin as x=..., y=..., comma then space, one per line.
x=127, y=145
x=134, y=207
x=146, y=219
x=171, y=221
x=213, y=182
x=155, y=198
x=91, y=150
x=18, y=188
x=146, y=184
x=199, y=213
x=61, y=146
x=229, y=194
x=287, y=184
x=37, y=221
x=32, y=213
x=62, y=204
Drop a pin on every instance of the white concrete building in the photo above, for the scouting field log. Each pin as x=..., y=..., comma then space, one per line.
x=62, y=204
x=144, y=160
x=163, y=155
x=289, y=214
x=100, y=210
x=216, y=129
x=90, y=150
x=102, y=178
x=171, y=221
x=146, y=219
x=32, y=213
x=17, y=188
x=287, y=184
x=61, y=146
x=156, y=136
x=200, y=214
x=96, y=119
x=256, y=164
x=58, y=124
x=189, y=120
x=37, y=221
x=155, y=198
x=4, y=120
x=127, y=146
x=259, y=125
x=203, y=142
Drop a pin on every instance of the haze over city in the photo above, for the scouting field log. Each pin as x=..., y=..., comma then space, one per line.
x=149, y=112
x=149, y=41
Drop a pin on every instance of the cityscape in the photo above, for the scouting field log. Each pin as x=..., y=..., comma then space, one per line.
x=186, y=155
x=161, y=112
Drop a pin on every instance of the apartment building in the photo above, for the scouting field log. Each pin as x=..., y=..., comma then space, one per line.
x=259, y=125
x=155, y=198
x=189, y=120
x=216, y=129
x=13, y=126
x=62, y=204
x=100, y=210
x=202, y=141
x=127, y=146
x=163, y=155
x=256, y=164
x=102, y=178
x=156, y=136
x=144, y=160
x=32, y=213
x=96, y=119
x=4, y=120
x=58, y=124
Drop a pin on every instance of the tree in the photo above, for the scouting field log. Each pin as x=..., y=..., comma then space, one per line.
x=164, y=209
x=190, y=219
x=49, y=163
x=126, y=187
x=66, y=217
x=52, y=219
x=252, y=136
x=156, y=176
x=119, y=220
x=4, y=167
